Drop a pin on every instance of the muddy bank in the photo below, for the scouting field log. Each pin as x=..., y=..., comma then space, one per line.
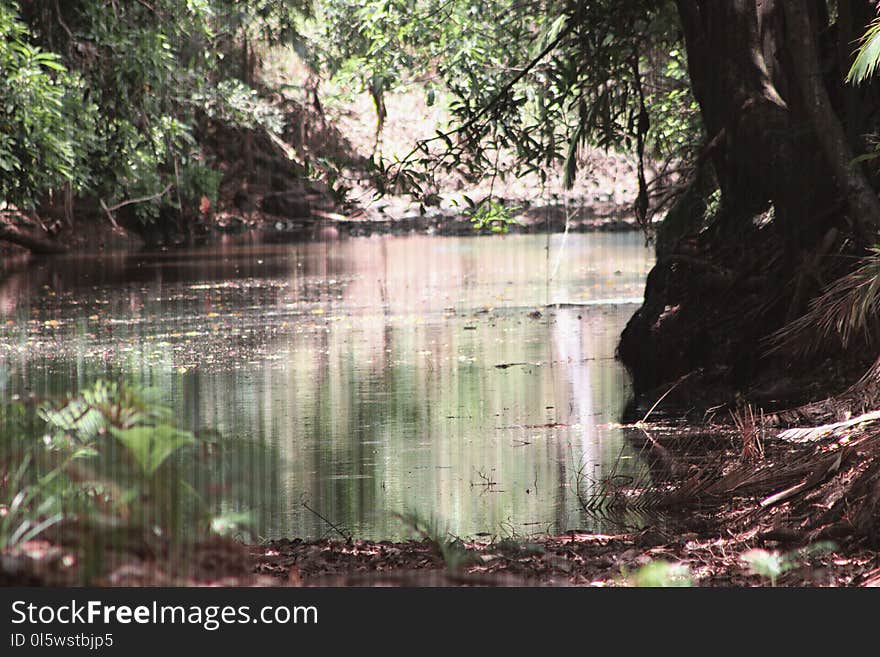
x=325, y=225
x=546, y=219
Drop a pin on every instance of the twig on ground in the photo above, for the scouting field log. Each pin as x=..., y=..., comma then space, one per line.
x=346, y=535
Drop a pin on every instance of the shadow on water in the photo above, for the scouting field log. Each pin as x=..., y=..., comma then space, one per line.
x=468, y=378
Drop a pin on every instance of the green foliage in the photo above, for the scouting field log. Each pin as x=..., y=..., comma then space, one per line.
x=867, y=55
x=234, y=102
x=771, y=563
x=29, y=513
x=660, y=573
x=232, y=524
x=453, y=552
x=32, y=491
x=533, y=81
x=847, y=307
x=38, y=146
x=676, y=129
x=108, y=460
x=272, y=21
x=845, y=310
x=113, y=99
x=125, y=446
x=198, y=180
x=863, y=67
x=367, y=42
x=28, y=504
x=150, y=446
x=492, y=215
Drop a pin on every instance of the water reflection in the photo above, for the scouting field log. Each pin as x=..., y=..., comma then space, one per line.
x=369, y=375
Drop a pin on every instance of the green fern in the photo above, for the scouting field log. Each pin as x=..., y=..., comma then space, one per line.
x=867, y=55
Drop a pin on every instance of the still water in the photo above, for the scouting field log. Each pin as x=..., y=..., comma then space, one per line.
x=469, y=379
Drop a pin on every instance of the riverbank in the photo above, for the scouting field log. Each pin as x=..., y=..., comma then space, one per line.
x=735, y=519
x=575, y=216
x=315, y=182
x=700, y=557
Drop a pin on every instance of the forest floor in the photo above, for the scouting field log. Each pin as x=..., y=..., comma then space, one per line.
x=704, y=552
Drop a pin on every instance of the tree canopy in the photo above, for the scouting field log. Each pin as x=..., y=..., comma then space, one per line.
x=105, y=98
x=535, y=81
x=738, y=113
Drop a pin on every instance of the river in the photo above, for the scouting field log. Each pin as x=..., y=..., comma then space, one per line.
x=467, y=379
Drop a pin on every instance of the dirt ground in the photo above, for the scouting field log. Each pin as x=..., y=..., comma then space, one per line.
x=569, y=560
x=708, y=558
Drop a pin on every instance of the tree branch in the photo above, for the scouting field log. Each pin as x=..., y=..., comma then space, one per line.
x=504, y=91
x=142, y=199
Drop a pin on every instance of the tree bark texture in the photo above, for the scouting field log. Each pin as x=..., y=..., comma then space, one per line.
x=782, y=130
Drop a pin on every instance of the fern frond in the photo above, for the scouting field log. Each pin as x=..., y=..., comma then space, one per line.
x=867, y=55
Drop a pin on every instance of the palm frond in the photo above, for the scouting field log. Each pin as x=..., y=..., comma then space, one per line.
x=867, y=55
x=844, y=310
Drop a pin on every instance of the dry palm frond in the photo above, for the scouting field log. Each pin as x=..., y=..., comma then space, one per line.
x=751, y=432
x=616, y=492
x=845, y=309
x=809, y=434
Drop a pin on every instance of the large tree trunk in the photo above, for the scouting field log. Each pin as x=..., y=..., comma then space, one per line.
x=743, y=76
x=766, y=75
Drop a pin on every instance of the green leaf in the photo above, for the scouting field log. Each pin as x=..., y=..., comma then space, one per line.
x=662, y=574
x=555, y=29
x=49, y=61
x=227, y=524
x=865, y=157
x=445, y=138
x=570, y=166
x=867, y=55
x=151, y=446
x=767, y=564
